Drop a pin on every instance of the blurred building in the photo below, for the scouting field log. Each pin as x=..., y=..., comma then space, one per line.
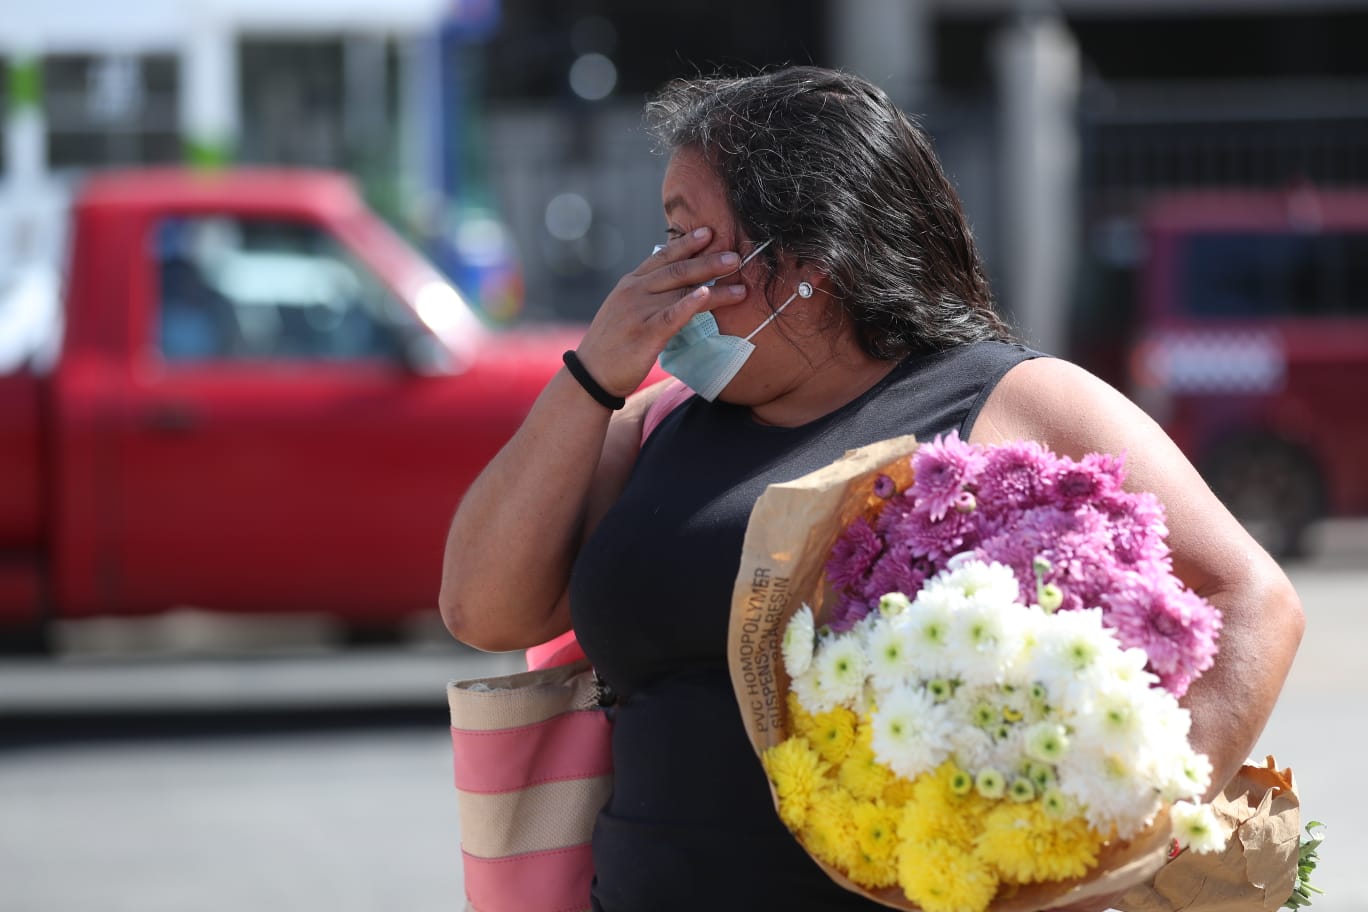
x=351, y=85
x=1058, y=120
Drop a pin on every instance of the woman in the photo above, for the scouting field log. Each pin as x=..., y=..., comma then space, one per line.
x=849, y=306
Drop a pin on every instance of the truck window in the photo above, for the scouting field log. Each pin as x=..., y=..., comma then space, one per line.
x=256, y=289
x=1246, y=275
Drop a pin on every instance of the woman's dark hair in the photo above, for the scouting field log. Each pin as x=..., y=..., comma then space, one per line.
x=826, y=164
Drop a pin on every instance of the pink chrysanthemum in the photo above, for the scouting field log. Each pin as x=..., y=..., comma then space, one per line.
x=1016, y=476
x=1094, y=477
x=936, y=540
x=1074, y=543
x=898, y=569
x=1176, y=627
x=1136, y=525
x=849, y=611
x=853, y=555
x=943, y=468
x=894, y=513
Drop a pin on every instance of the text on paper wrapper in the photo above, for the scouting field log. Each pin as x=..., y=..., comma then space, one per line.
x=760, y=632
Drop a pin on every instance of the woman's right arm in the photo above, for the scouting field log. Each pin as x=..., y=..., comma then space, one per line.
x=516, y=532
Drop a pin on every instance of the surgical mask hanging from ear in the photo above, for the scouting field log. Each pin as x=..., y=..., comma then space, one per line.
x=704, y=359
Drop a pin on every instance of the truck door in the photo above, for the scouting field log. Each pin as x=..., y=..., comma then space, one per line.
x=277, y=455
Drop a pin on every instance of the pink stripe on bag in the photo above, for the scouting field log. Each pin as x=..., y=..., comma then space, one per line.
x=554, y=881
x=571, y=746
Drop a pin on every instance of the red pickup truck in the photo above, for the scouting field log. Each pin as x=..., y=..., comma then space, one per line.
x=262, y=401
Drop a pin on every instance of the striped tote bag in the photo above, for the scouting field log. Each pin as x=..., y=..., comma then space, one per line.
x=533, y=762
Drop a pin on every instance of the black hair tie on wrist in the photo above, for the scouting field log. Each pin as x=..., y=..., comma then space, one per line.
x=601, y=395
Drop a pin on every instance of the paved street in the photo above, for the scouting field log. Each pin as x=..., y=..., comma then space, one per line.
x=314, y=779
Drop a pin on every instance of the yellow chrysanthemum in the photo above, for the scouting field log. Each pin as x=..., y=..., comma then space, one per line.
x=800, y=720
x=876, y=829
x=898, y=792
x=833, y=734
x=797, y=772
x=873, y=873
x=872, y=861
x=937, y=812
x=862, y=774
x=1026, y=844
x=829, y=832
x=941, y=877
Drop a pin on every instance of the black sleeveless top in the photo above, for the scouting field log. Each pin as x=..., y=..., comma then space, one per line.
x=690, y=823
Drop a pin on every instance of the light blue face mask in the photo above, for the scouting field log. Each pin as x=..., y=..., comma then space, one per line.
x=704, y=359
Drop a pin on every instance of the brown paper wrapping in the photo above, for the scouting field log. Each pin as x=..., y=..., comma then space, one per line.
x=1257, y=870
x=790, y=533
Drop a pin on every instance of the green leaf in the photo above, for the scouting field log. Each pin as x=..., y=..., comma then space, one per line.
x=1307, y=858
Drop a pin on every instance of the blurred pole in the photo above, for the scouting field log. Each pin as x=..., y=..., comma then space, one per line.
x=209, y=91
x=887, y=42
x=30, y=232
x=25, y=123
x=364, y=114
x=1037, y=66
x=420, y=119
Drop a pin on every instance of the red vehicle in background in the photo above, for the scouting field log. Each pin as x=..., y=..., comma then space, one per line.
x=262, y=401
x=1253, y=350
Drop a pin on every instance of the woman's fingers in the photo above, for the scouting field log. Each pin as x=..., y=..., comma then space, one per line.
x=678, y=264
x=702, y=298
x=674, y=249
x=693, y=271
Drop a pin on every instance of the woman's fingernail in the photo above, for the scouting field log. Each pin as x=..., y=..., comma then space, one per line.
x=700, y=232
x=736, y=291
x=700, y=292
x=730, y=259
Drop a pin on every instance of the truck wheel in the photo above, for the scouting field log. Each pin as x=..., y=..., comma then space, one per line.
x=30, y=640
x=366, y=635
x=1274, y=489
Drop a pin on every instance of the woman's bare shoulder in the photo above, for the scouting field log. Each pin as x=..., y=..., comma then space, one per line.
x=1061, y=404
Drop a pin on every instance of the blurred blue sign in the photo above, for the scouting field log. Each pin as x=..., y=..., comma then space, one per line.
x=472, y=20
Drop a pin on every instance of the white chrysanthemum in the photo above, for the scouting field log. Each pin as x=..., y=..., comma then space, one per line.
x=1166, y=718
x=887, y=650
x=911, y=732
x=1187, y=775
x=989, y=583
x=810, y=696
x=1071, y=651
x=862, y=628
x=1116, y=716
x=1126, y=666
x=928, y=624
x=800, y=638
x=939, y=592
x=1112, y=790
x=840, y=667
x=1028, y=625
x=984, y=643
x=1197, y=827
x=1009, y=747
x=1046, y=742
x=972, y=747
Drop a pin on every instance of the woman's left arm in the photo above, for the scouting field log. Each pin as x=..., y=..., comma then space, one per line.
x=1073, y=412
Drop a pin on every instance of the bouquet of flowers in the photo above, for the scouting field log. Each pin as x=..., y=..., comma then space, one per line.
x=981, y=711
